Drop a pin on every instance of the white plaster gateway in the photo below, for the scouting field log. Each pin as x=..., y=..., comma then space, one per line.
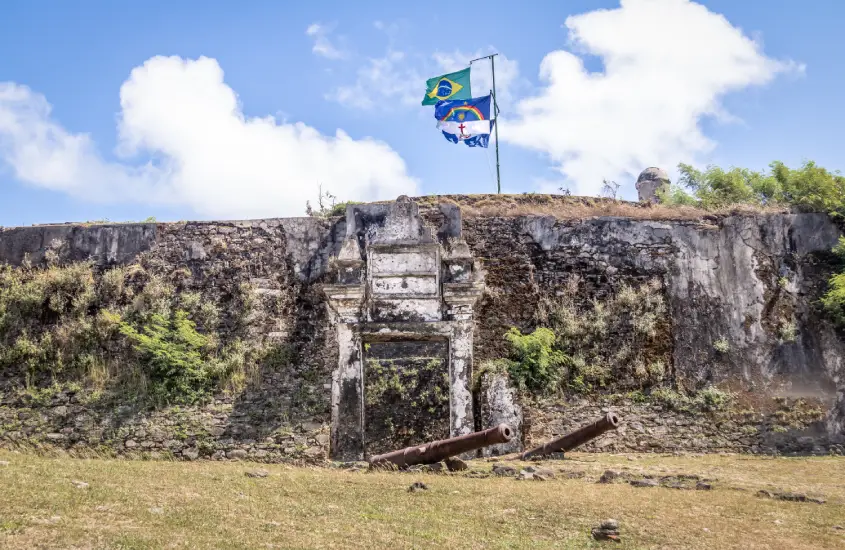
x=395, y=281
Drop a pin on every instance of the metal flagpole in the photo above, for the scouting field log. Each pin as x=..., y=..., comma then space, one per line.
x=496, y=112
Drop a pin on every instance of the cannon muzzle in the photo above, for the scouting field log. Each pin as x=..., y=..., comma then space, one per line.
x=429, y=453
x=575, y=439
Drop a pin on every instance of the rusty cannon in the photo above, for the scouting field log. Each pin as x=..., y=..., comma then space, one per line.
x=570, y=441
x=429, y=453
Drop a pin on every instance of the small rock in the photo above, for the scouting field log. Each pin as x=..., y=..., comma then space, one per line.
x=191, y=454
x=525, y=475
x=417, y=486
x=778, y=522
x=456, y=464
x=608, y=476
x=130, y=444
x=790, y=497
x=504, y=470
x=313, y=451
x=608, y=530
x=156, y=510
x=643, y=483
x=80, y=484
x=311, y=426
x=701, y=486
x=4, y=462
x=610, y=524
x=257, y=473
x=545, y=472
x=236, y=454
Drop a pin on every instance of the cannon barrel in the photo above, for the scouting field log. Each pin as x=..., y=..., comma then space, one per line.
x=610, y=421
x=429, y=453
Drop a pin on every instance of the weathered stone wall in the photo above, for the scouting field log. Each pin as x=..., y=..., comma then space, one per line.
x=283, y=414
x=791, y=426
x=732, y=280
x=736, y=280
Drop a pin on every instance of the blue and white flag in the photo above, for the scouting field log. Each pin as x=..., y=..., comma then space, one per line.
x=466, y=120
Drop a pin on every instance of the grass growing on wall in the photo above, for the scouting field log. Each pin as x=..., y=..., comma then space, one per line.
x=617, y=343
x=121, y=330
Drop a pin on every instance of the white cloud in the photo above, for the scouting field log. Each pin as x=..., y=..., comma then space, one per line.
x=507, y=73
x=322, y=44
x=667, y=64
x=207, y=154
x=382, y=79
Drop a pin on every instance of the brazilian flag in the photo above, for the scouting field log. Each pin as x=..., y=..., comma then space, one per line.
x=447, y=86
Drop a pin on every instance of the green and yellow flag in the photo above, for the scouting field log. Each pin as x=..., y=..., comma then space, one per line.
x=448, y=86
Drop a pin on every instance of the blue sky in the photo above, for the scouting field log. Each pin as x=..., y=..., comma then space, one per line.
x=662, y=82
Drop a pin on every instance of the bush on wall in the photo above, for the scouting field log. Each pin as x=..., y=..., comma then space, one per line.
x=123, y=328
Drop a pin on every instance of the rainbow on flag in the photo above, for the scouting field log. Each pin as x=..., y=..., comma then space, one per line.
x=466, y=120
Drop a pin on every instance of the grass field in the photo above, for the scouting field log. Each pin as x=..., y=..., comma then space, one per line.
x=135, y=504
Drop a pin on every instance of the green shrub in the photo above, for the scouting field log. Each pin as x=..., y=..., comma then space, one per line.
x=712, y=398
x=675, y=195
x=809, y=187
x=177, y=359
x=833, y=301
x=534, y=363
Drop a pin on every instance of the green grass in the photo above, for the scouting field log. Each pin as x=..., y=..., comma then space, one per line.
x=147, y=504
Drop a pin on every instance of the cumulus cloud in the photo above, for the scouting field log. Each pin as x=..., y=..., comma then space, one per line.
x=204, y=152
x=323, y=45
x=382, y=80
x=667, y=64
x=394, y=79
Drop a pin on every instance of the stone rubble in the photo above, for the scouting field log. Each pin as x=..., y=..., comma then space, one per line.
x=417, y=486
x=607, y=531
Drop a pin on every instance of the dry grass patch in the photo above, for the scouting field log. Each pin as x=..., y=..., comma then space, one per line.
x=567, y=207
x=134, y=504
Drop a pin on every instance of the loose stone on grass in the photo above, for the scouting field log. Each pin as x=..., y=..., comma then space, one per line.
x=257, y=473
x=643, y=483
x=456, y=464
x=608, y=530
x=417, y=486
x=538, y=470
x=80, y=484
x=504, y=470
x=609, y=476
x=790, y=497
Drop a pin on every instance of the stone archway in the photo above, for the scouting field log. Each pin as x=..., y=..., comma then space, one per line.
x=403, y=299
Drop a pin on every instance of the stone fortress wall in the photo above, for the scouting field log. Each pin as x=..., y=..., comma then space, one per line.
x=403, y=285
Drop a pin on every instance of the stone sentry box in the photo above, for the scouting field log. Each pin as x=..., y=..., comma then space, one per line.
x=402, y=305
